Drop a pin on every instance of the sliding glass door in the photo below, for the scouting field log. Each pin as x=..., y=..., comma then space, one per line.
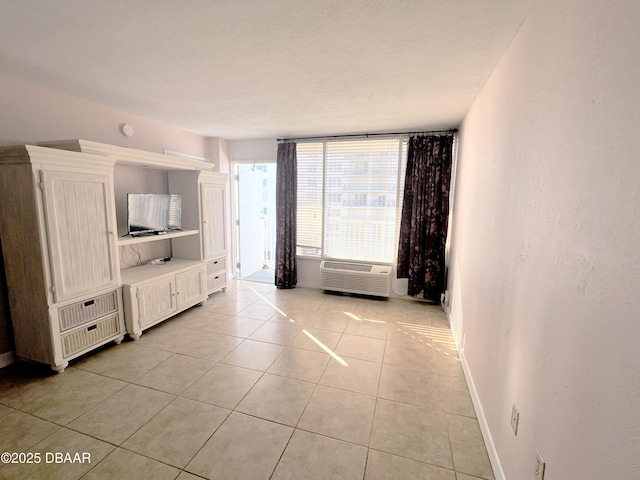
x=255, y=221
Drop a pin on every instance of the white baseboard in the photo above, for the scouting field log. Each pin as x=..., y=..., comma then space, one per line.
x=494, y=458
x=498, y=472
x=7, y=358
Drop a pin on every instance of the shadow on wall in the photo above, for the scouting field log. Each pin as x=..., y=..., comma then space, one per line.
x=6, y=332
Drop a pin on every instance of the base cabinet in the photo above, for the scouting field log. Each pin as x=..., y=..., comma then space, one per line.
x=210, y=219
x=59, y=252
x=216, y=275
x=92, y=335
x=155, y=300
x=79, y=327
x=153, y=293
x=190, y=286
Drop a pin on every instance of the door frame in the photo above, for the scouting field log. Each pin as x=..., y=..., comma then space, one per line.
x=235, y=208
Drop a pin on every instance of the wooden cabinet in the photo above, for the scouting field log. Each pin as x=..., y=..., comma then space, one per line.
x=155, y=301
x=216, y=274
x=68, y=291
x=59, y=252
x=211, y=244
x=190, y=287
x=204, y=235
x=213, y=200
x=79, y=222
x=153, y=293
x=86, y=324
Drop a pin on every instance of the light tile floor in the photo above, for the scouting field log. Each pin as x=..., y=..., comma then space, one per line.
x=258, y=383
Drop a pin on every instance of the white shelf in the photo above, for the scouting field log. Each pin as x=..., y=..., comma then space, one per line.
x=130, y=156
x=144, y=273
x=128, y=240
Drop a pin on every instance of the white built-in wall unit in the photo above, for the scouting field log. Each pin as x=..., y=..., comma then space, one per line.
x=70, y=290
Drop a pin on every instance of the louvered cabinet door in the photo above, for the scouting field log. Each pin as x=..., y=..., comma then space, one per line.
x=156, y=300
x=214, y=241
x=80, y=232
x=190, y=287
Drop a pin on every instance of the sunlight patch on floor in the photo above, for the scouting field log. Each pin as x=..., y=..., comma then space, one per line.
x=268, y=302
x=333, y=354
x=362, y=319
x=439, y=339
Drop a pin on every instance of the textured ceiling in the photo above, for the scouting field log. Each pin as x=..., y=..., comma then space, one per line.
x=265, y=68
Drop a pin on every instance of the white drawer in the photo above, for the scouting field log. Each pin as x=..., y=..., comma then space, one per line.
x=74, y=342
x=216, y=265
x=216, y=281
x=87, y=310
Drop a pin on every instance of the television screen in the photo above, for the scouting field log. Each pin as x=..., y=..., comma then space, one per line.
x=149, y=213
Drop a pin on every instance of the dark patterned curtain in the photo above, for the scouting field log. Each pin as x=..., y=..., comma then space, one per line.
x=425, y=215
x=286, y=226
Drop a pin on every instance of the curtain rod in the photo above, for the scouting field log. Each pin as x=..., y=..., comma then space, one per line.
x=367, y=135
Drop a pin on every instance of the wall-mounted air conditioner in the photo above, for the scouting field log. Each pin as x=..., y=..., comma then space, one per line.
x=363, y=278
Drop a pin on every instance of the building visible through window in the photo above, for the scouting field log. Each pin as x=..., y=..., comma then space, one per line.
x=349, y=193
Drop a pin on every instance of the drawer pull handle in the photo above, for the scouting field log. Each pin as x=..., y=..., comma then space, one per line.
x=92, y=327
x=89, y=303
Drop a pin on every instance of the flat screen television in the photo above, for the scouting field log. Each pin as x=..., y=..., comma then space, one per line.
x=153, y=213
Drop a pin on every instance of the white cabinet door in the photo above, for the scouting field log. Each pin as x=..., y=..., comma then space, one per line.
x=214, y=238
x=190, y=287
x=156, y=300
x=80, y=232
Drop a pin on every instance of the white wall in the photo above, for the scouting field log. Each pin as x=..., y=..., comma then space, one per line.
x=219, y=149
x=253, y=151
x=546, y=244
x=33, y=114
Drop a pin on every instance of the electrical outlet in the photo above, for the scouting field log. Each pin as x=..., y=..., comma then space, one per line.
x=515, y=418
x=539, y=471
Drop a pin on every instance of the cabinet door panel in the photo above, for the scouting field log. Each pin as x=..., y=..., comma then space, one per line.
x=155, y=301
x=213, y=220
x=80, y=232
x=190, y=286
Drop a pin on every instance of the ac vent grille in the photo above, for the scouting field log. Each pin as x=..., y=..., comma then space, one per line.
x=362, y=278
x=355, y=267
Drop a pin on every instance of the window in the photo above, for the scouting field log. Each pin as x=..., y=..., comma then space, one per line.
x=348, y=197
x=310, y=166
